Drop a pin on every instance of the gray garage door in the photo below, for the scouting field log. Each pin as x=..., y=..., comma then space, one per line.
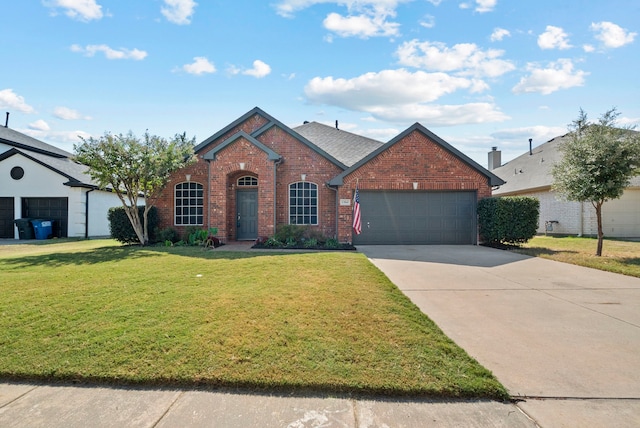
x=417, y=218
x=6, y=218
x=56, y=209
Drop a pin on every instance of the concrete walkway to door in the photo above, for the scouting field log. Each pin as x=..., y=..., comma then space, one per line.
x=565, y=339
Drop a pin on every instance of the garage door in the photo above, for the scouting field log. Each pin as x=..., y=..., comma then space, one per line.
x=56, y=209
x=417, y=218
x=6, y=218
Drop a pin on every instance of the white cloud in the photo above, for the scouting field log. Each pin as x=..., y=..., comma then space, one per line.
x=12, y=101
x=402, y=96
x=428, y=21
x=388, y=87
x=199, y=66
x=485, y=5
x=81, y=10
x=612, y=35
x=441, y=115
x=539, y=134
x=39, y=125
x=365, y=18
x=110, y=53
x=558, y=75
x=66, y=113
x=463, y=58
x=554, y=38
x=588, y=48
x=499, y=34
x=63, y=139
x=481, y=6
x=178, y=11
x=260, y=69
x=362, y=26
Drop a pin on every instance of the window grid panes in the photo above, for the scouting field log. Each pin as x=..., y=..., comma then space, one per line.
x=247, y=181
x=189, y=204
x=303, y=203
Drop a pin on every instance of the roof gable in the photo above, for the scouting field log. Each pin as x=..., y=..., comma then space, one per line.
x=63, y=166
x=494, y=180
x=211, y=154
x=270, y=122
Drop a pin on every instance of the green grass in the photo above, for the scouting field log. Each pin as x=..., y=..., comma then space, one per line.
x=94, y=311
x=617, y=256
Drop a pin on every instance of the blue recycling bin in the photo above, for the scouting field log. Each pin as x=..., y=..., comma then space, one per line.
x=43, y=229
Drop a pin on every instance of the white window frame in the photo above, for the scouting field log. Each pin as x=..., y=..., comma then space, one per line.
x=293, y=203
x=193, y=208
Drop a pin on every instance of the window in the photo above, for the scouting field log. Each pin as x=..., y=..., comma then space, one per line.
x=189, y=204
x=303, y=203
x=247, y=181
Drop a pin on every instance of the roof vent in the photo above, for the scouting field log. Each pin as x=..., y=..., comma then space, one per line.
x=530, y=148
x=305, y=122
x=337, y=125
x=6, y=122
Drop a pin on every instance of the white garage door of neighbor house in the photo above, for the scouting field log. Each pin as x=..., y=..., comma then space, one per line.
x=621, y=217
x=417, y=218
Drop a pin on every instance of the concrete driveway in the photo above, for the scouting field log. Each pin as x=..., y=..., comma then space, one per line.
x=565, y=339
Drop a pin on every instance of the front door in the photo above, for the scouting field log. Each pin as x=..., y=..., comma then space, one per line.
x=247, y=215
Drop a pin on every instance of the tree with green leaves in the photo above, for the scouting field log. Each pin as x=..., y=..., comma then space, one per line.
x=599, y=160
x=134, y=168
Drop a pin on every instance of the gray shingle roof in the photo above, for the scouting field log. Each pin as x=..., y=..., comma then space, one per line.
x=531, y=172
x=19, y=140
x=346, y=147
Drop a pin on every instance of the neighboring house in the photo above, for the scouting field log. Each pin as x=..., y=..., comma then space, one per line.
x=530, y=175
x=40, y=181
x=257, y=173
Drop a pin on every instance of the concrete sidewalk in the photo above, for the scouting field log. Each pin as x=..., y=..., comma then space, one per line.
x=24, y=405
x=564, y=338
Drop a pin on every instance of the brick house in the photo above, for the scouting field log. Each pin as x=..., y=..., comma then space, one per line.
x=257, y=173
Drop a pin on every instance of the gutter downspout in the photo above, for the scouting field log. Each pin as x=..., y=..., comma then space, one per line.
x=208, y=193
x=337, y=206
x=86, y=214
x=275, y=195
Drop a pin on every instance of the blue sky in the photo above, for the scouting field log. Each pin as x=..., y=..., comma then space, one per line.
x=478, y=73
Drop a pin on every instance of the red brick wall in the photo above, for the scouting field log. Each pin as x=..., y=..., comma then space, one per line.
x=300, y=159
x=415, y=158
x=164, y=201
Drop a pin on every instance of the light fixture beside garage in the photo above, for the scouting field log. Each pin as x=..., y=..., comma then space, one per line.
x=415, y=185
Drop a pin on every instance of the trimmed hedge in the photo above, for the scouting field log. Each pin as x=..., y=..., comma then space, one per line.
x=121, y=229
x=508, y=220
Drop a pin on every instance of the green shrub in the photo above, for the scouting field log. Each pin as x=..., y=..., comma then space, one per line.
x=332, y=243
x=311, y=243
x=121, y=229
x=167, y=234
x=508, y=220
x=290, y=232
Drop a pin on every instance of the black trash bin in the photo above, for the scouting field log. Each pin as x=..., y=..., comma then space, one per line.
x=25, y=228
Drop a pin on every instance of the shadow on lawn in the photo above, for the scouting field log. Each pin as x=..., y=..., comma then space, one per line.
x=110, y=254
x=540, y=251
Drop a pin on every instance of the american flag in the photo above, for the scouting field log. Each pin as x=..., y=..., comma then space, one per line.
x=357, y=223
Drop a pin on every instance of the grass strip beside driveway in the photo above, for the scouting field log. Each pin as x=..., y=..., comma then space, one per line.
x=617, y=256
x=92, y=311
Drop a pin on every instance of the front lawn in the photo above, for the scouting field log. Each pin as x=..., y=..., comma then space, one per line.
x=94, y=311
x=617, y=256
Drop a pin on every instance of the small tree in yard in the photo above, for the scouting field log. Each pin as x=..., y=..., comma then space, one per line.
x=598, y=162
x=134, y=168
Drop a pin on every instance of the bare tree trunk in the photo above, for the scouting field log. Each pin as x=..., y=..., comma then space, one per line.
x=598, y=206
